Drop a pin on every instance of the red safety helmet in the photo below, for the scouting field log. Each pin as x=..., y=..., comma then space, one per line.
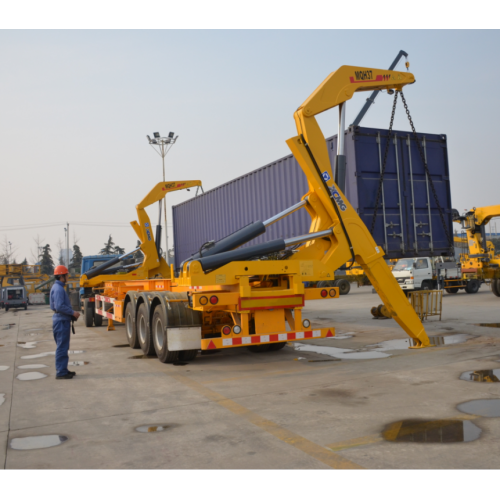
x=60, y=270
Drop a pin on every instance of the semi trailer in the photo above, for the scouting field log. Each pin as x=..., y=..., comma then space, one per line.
x=227, y=295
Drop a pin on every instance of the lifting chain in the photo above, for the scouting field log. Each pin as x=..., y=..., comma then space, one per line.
x=384, y=163
x=431, y=183
x=426, y=168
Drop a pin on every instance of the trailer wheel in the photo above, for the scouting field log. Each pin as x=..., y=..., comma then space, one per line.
x=97, y=320
x=130, y=327
x=178, y=314
x=472, y=286
x=495, y=287
x=276, y=347
x=258, y=348
x=88, y=312
x=160, y=342
x=188, y=355
x=144, y=331
x=344, y=286
x=451, y=290
x=426, y=285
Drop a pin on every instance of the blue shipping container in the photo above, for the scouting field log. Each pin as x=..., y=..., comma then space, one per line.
x=407, y=223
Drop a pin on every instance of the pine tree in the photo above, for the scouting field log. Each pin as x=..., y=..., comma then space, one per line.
x=118, y=250
x=24, y=262
x=108, y=247
x=76, y=260
x=47, y=264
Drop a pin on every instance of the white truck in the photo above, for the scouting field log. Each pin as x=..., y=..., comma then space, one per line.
x=432, y=273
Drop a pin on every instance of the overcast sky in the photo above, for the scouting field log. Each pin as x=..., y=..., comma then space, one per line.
x=75, y=108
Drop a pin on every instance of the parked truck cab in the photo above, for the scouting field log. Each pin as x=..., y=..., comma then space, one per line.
x=414, y=274
x=14, y=297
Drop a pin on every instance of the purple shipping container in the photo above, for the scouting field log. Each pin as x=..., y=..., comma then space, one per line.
x=251, y=197
x=409, y=226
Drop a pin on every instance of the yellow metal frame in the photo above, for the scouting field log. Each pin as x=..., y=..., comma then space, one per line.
x=350, y=235
x=473, y=265
x=271, y=287
x=153, y=264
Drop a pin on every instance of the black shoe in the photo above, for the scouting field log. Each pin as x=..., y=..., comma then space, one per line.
x=72, y=373
x=62, y=377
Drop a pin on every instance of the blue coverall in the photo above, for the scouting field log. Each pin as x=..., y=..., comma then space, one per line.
x=61, y=324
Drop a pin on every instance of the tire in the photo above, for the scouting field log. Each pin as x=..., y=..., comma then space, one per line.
x=6, y=308
x=277, y=347
x=188, y=355
x=25, y=307
x=258, y=348
x=160, y=343
x=344, y=286
x=451, y=290
x=97, y=320
x=144, y=331
x=130, y=326
x=426, y=286
x=88, y=312
x=495, y=287
x=177, y=315
x=472, y=286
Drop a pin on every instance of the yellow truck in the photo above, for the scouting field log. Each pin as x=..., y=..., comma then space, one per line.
x=226, y=296
x=480, y=262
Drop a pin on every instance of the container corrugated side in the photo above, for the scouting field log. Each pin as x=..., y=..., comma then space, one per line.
x=251, y=197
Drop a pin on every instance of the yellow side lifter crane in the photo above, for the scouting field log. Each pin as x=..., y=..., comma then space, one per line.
x=226, y=296
x=350, y=237
x=121, y=269
x=480, y=262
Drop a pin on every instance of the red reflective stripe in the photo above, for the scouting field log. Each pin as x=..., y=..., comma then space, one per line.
x=237, y=341
x=255, y=340
x=308, y=335
x=273, y=338
x=291, y=336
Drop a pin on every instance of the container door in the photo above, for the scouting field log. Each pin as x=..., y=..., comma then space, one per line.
x=427, y=235
x=389, y=231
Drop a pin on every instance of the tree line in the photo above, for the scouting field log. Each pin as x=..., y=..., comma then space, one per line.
x=43, y=254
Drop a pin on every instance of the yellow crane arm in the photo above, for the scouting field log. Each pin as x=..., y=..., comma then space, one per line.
x=143, y=227
x=153, y=263
x=483, y=215
x=328, y=206
x=474, y=222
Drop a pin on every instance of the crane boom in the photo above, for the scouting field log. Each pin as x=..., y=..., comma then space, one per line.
x=153, y=264
x=328, y=206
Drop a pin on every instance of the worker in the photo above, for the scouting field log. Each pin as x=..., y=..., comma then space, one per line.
x=61, y=321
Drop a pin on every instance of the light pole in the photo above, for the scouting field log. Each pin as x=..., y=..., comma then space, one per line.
x=164, y=144
x=66, y=230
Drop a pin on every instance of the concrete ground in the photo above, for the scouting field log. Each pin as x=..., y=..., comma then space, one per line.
x=239, y=410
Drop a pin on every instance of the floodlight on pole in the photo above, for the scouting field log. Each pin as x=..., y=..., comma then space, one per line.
x=164, y=145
